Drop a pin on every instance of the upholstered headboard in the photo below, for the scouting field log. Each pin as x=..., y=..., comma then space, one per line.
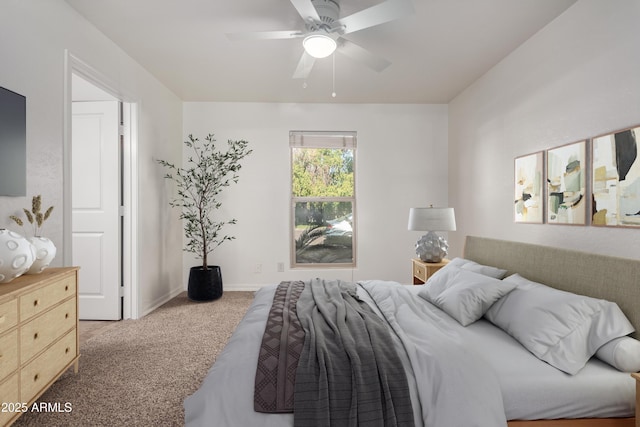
x=598, y=276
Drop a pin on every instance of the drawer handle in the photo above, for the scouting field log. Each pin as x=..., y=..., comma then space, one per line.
x=66, y=315
x=66, y=288
x=67, y=350
x=36, y=377
x=35, y=303
x=35, y=336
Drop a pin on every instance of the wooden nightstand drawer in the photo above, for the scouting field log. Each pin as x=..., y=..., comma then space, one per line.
x=45, y=367
x=8, y=353
x=39, y=300
x=42, y=331
x=423, y=270
x=420, y=271
x=8, y=315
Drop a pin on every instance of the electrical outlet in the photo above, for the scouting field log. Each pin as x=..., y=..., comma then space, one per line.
x=280, y=267
x=258, y=269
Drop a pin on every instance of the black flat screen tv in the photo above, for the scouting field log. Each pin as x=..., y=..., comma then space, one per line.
x=13, y=143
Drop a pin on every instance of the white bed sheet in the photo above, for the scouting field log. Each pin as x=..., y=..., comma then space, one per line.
x=532, y=389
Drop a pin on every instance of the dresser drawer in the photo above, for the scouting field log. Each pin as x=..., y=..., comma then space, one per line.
x=39, y=300
x=43, y=330
x=8, y=315
x=37, y=374
x=9, y=395
x=8, y=353
x=38, y=335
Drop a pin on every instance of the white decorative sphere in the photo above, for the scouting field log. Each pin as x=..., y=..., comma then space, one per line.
x=16, y=255
x=45, y=253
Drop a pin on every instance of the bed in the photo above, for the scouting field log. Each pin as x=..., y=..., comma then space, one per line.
x=476, y=374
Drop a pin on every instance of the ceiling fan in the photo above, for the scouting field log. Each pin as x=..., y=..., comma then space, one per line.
x=324, y=29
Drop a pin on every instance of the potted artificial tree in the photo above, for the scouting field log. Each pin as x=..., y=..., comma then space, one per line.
x=207, y=172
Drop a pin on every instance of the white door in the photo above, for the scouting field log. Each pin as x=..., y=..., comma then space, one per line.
x=95, y=208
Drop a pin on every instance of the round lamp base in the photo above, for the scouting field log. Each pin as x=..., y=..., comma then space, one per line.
x=431, y=247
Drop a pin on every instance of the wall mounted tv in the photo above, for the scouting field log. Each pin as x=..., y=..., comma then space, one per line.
x=13, y=143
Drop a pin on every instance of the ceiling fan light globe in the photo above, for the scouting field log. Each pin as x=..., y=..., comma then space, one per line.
x=319, y=45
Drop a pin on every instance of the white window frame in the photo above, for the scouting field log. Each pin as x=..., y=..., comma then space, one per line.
x=322, y=139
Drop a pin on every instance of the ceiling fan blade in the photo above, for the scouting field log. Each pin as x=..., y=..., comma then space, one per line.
x=360, y=54
x=386, y=11
x=306, y=10
x=265, y=35
x=304, y=66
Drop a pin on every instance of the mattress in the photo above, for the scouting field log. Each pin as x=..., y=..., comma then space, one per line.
x=526, y=387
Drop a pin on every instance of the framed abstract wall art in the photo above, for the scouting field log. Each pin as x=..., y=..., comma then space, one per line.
x=566, y=184
x=616, y=179
x=529, y=197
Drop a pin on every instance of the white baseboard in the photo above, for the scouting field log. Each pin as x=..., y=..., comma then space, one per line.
x=175, y=292
x=163, y=300
x=241, y=287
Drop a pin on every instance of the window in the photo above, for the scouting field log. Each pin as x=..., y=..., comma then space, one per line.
x=323, y=201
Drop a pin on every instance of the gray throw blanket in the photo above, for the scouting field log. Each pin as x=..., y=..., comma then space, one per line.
x=348, y=374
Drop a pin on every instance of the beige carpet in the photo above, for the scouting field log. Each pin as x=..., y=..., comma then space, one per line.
x=139, y=372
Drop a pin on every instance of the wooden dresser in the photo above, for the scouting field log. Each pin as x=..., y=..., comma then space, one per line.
x=38, y=336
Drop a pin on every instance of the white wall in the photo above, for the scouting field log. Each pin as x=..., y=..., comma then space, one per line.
x=33, y=37
x=401, y=163
x=577, y=78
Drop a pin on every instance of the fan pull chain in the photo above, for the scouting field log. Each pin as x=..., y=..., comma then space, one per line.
x=304, y=84
x=333, y=94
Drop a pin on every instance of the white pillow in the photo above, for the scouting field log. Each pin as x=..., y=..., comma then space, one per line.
x=466, y=264
x=622, y=353
x=561, y=328
x=463, y=294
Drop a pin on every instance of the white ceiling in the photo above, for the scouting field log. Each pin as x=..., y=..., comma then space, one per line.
x=435, y=53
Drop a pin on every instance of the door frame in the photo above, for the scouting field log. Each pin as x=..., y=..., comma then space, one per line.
x=74, y=65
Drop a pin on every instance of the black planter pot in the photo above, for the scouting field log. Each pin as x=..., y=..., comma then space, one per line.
x=205, y=285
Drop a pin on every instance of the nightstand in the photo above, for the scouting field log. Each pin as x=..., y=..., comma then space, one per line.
x=423, y=270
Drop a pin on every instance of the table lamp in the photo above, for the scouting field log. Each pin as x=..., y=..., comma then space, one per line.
x=431, y=247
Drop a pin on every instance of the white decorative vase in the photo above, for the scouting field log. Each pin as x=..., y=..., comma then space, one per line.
x=45, y=253
x=16, y=255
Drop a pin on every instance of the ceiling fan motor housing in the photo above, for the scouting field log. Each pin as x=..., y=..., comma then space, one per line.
x=329, y=12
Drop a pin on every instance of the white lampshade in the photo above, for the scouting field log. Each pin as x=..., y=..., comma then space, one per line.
x=432, y=219
x=319, y=45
